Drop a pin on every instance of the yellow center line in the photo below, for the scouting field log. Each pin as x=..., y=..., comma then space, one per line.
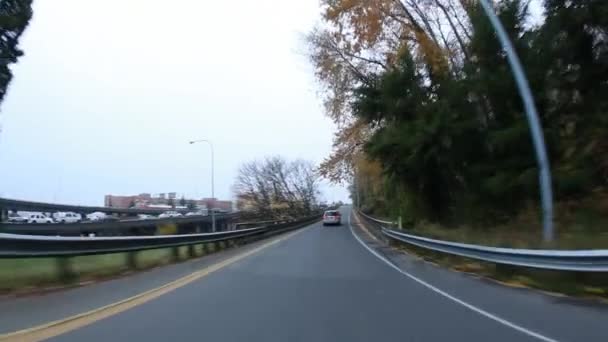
x=62, y=326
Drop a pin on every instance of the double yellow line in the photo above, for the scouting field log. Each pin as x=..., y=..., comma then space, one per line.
x=55, y=328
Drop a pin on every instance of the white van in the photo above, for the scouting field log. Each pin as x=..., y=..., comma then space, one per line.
x=67, y=217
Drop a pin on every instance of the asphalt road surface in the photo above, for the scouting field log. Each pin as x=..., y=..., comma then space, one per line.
x=323, y=284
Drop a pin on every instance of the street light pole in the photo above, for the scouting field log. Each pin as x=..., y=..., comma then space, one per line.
x=212, y=180
x=538, y=140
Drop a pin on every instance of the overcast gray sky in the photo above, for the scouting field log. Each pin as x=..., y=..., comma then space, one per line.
x=110, y=91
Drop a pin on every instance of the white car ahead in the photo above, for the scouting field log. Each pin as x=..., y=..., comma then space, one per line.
x=145, y=217
x=169, y=214
x=39, y=218
x=332, y=217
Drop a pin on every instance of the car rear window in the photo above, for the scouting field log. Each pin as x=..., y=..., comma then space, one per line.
x=332, y=213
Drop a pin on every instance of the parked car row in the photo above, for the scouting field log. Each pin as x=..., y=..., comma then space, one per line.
x=42, y=218
x=70, y=217
x=58, y=217
x=169, y=214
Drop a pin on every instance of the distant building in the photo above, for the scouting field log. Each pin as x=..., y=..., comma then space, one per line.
x=162, y=200
x=120, y=201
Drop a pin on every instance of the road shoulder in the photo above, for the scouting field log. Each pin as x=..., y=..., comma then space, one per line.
x=562, y=318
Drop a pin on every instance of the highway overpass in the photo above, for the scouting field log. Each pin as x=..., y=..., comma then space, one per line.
x=19, y=205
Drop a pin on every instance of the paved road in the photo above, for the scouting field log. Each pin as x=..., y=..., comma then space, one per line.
x=322, y=284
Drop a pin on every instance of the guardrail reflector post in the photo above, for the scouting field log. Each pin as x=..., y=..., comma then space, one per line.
x=175, y=253
x=399, y=223
x=64, y=267
x=132, y=260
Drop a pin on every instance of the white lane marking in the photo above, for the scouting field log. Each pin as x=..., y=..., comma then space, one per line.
x=449, y=296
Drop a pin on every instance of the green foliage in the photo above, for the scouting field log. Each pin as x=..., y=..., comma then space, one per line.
x=456, y=148
x=14, y=17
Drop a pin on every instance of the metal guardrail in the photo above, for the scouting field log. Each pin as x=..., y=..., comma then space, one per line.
x=238, y=224
x=563, y=260
x=26, y=246
x=376, y=220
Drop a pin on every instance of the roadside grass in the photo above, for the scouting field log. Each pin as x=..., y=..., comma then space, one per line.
x=581, y=224
x=578, y=225
x=29, y=274
x=516, y=235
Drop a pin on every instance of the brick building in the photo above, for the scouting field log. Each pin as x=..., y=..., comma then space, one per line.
x=120, y=201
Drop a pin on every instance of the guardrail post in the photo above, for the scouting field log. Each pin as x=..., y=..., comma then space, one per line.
x=191, y=252
x=505, y=270
x=175, y=253
x=399, y=223
x=64, y=267
x=132, y=260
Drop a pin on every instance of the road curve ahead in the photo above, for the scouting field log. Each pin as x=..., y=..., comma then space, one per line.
x=319, y=285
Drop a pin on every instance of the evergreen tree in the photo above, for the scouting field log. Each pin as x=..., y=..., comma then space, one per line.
x=14, y=18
